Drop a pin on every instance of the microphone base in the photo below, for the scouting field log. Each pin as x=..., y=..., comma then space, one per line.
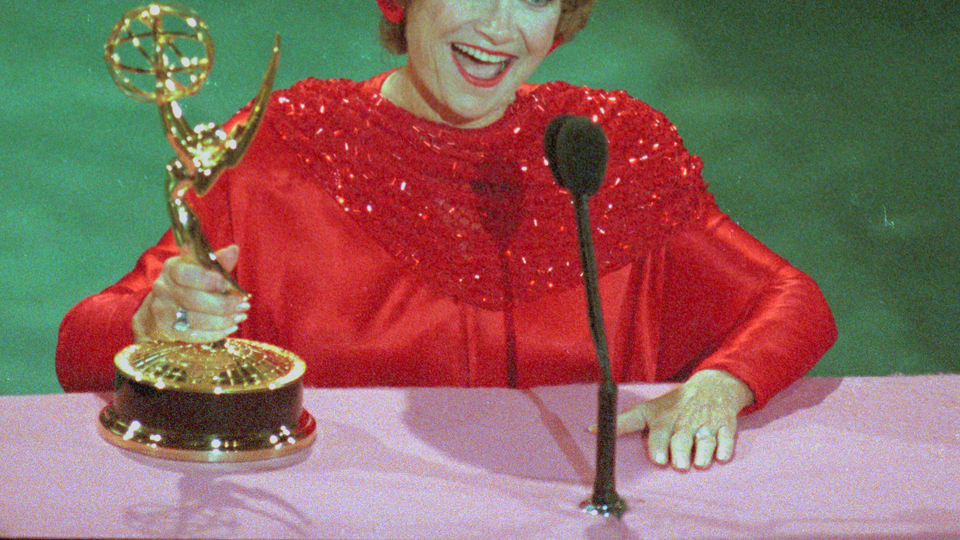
x=605, y=504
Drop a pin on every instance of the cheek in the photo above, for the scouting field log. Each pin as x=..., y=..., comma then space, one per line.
x=540, y=35
x=421, y=50
x=427, y=27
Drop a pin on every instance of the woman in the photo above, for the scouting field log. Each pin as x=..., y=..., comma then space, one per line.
x=406, y=231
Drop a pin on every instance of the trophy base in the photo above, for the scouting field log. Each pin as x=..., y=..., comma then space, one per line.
x=229, y=402
x=205, y=447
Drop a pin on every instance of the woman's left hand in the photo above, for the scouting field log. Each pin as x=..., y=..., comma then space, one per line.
x=696, y=420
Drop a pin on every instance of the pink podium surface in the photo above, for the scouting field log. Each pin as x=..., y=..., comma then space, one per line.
x=828, y=458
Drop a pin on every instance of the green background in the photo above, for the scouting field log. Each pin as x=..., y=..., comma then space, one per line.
x=830, y=130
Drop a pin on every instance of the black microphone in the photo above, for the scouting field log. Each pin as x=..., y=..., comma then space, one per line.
x=576, y=150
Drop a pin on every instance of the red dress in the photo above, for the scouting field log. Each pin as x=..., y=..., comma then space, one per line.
x=385, y=249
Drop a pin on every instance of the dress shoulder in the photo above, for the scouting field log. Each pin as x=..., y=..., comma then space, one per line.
x=614, y=109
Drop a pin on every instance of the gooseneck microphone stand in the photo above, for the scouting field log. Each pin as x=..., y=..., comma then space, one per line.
x=576, y=151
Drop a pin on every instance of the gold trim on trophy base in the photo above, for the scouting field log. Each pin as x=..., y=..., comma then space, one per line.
x=211, y=448
x=229, y=366
x=232, y=401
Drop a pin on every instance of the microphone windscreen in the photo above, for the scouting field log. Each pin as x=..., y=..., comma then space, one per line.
x=550, y=144
x=582, y=155
x=576, y=150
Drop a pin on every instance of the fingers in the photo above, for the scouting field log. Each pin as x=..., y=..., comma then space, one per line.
x=203, y=328
x=705, y=441
x=693, y=425
x=726, y=440
x=185, y=274
x=191, y=304
x=683, y=447
x=228, y=257
x=632, y=421
x=188, y=286
x=682, y=436
x=194, y=326
x=658, y=444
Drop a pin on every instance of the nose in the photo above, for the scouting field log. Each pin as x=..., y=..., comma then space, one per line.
x=496, y=22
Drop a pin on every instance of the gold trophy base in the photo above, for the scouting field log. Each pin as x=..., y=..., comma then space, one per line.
x=232, y=401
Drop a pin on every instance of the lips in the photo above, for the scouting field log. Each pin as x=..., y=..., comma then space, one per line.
x=481, y=67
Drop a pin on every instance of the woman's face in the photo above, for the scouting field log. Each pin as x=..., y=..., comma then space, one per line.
x=467, y=58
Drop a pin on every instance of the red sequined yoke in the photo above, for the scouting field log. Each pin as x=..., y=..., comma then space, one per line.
x=477, y=213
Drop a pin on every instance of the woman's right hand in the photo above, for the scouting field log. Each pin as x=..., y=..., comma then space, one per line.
x=212, y=313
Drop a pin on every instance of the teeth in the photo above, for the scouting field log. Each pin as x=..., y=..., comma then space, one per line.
x=481, y=56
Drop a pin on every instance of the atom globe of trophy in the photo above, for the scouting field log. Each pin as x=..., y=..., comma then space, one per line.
x=235, y=400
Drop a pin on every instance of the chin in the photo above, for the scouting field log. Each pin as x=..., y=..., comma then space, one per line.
x=483, y=109
x=476, y=116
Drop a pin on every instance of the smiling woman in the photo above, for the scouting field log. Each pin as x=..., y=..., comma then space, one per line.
x=407, y=230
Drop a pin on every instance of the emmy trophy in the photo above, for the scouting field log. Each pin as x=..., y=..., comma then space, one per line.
x=235, y=400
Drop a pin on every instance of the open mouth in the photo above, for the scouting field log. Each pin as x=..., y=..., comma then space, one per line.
x=480, y=67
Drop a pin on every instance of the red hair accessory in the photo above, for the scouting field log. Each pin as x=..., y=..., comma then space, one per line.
x=392, y=10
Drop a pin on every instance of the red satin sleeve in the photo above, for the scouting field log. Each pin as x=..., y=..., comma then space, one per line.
x=94, y=330
x=730, y=303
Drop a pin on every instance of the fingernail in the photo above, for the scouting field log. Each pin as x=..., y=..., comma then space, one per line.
x=243, y=307
x=233, y=329
x=240, y=318
x=661, y=458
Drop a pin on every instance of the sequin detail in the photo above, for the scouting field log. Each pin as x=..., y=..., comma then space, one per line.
x=476, y=213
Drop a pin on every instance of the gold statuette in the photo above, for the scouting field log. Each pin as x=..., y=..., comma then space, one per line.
x=234, y=400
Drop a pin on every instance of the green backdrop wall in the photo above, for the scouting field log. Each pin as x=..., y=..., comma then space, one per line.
x=830, y=130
